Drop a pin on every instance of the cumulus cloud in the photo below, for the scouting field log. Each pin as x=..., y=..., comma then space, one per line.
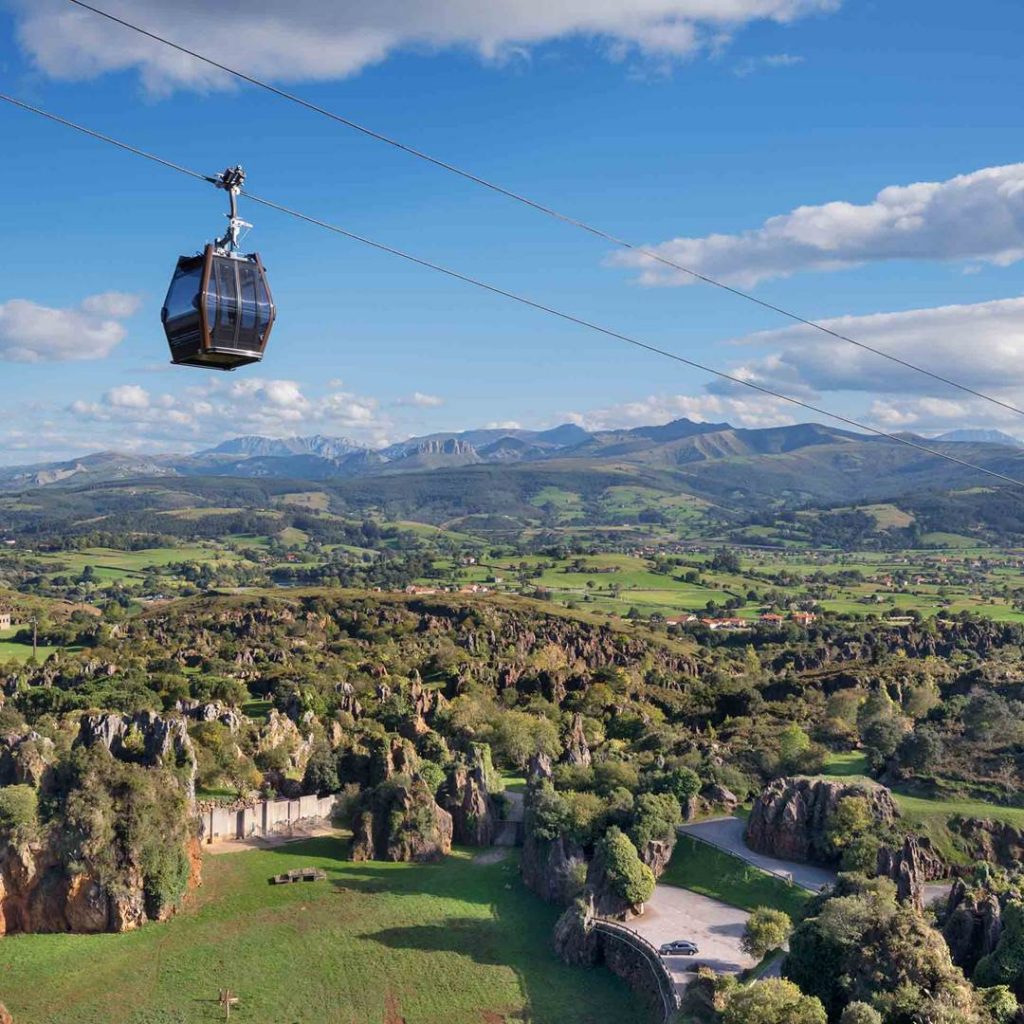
x=128, y=396
x=421, y=400
x=978, y=345
x=740, y=410
x=309, y=39
x=215, y=409
x=30, y=333
x=977, y=218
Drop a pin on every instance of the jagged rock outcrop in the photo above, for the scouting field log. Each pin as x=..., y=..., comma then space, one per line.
x=576, y=941
x=971, y=924
x=5, y=1017
x=539, y=769
x=910, y=866
x=997, y=842
x=553, y=868
x=656, y=853
x=400, y=822
x=25, y=759
x=146, y=738
x=790, y=818
x=580, y=943
x=719, y=796
x=212, y=711
x=464, y=795
x=39, y=893
x=280, y=731
x=577, y=750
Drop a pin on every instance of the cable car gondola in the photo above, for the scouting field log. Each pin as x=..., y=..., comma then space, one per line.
x=218, y=312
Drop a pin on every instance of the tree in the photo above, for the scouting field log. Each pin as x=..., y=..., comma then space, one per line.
x=850, y=820
x=766, y=929
x=19, y=809
x=1001, y=1004
x=655, y=817
x=773, y=1001
x=1005, y=964
x=860, y=1013
x=881, y=738
x=321, y=775
x=515, y=736
x=628, y=875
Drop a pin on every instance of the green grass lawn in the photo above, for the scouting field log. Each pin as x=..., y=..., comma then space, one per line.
x=448, y=943
x=712, y=872
x=928, y=816
x=19, y=652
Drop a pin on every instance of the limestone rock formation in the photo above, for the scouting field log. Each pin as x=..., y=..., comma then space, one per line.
x=971, y=925
x=146, y=737
x=400, y=822
x=790, y=818
x=577, y=750
x=995, y=841
x=576, y=941
x=25, y=758
x=281, y=731
x=464, y=795
x=212, y=711
x=539, y=769
x=553, y=868
x=656, y=853
x=915, y=863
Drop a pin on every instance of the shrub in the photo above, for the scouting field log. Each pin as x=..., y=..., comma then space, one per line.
x=860, y=1013
x=19, y=810
x=766, y=929
x=629, y=877
x=655, y=817
x=772, y=1001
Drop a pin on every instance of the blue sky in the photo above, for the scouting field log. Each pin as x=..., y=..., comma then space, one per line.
x=650, y=118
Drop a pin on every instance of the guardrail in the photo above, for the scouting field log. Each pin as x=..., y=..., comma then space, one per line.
x=665, y=983
x=785, y=876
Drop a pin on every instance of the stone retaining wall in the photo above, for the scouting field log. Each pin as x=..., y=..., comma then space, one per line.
x=263, y=818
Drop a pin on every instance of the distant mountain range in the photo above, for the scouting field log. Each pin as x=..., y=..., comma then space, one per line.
x=987, y=436
x=732, y=466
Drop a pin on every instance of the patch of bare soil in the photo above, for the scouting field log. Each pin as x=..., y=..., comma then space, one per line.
x=391, y=1014
x=493, y=856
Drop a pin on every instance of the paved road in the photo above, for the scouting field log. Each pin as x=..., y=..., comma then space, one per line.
x=673, y=913
x=727, y=834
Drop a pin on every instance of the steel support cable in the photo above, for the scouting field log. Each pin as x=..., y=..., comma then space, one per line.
x=548, y=211
x=516, y=297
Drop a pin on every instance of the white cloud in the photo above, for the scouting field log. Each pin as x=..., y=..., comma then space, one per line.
x=978, y=345
x=310, y=39
x=30, y=333
x=741, y=410
x=767, y=62
x=973, y=217
x=421, y=400
x=128, y=396
x=216, y=409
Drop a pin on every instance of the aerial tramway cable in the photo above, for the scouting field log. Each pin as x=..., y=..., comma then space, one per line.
x=516, y=297
x=544, y=209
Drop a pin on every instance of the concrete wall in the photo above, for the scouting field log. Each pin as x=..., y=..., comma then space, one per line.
x=264, y=818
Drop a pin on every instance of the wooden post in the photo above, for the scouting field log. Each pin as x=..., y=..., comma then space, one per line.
x=227, y=999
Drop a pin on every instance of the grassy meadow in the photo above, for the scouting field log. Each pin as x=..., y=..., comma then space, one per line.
x=450, y=943
x=714, y=873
